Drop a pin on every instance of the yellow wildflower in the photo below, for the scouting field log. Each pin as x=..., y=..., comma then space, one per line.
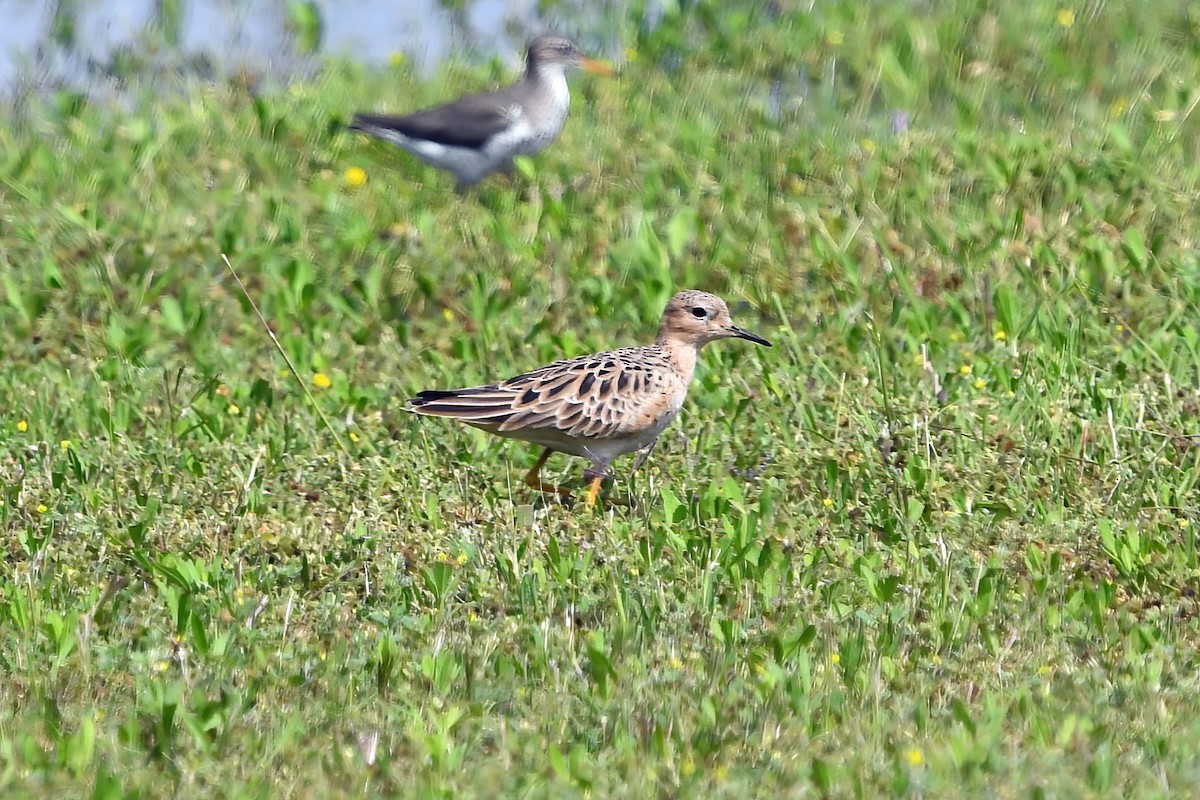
x=321, y=381
x=22, y=426
x=234, y=410
x=41, y=509
x=355, y=177
x=1065, y=17
x=914, y=757
x=965, y=369
x=65, y=444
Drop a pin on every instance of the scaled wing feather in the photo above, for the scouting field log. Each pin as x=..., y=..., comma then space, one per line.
x=586, y=397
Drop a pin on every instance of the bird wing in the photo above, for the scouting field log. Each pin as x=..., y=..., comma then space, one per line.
x=590, y=397
x=468, y=122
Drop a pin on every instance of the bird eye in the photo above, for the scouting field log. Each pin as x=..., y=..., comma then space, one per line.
x=698, y=312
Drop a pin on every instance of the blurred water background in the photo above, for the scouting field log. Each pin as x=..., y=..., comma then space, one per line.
x=94, y=46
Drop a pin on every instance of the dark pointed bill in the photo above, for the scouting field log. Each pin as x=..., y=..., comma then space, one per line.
x=752, y=337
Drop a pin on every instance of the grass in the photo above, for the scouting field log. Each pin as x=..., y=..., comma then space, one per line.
x=940, y=540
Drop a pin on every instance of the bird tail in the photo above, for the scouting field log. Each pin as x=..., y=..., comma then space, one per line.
x=373, y=124
x=482, y=405
x=361, y=123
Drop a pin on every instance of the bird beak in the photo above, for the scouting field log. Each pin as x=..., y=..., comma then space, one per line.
x=596, y=66
x=747, y=335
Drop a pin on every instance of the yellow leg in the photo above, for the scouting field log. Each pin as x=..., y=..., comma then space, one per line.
x=594, y=491
x=534, y=481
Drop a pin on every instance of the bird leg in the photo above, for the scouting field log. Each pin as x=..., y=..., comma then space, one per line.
x=594, y=490
x=534, y=481
x=597, y=476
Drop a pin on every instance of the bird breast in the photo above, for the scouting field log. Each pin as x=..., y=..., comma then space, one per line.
x=543, y=121
x=657, y=407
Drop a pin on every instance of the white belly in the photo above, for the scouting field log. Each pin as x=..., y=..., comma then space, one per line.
x=527, y=138
x=468, y=164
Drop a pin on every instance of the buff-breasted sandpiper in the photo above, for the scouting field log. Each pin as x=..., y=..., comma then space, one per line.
x=597, y=406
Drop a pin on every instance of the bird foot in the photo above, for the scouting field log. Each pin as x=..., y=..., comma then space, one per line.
x=533, y=481
x=593, y=494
